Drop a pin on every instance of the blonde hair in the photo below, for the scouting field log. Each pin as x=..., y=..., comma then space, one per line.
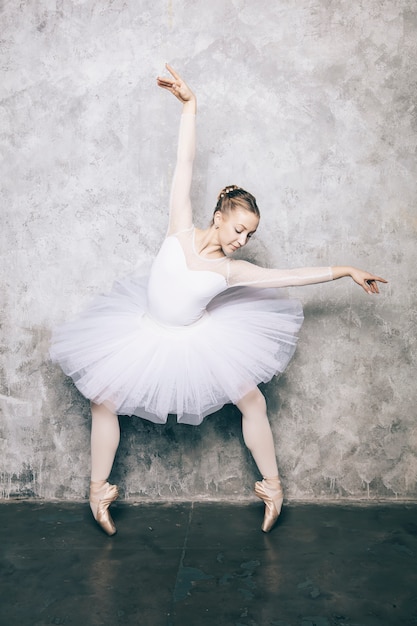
x=233, y=197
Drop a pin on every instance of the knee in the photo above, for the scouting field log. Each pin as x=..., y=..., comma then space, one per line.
x=254, y=401
x=102, y=410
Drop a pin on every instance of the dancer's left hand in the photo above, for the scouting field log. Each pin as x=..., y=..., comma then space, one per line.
x=367, y=281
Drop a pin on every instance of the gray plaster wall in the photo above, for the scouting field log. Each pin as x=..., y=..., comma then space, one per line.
x=311, y=105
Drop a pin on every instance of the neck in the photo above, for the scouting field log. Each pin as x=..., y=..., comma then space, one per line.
x=207, y=243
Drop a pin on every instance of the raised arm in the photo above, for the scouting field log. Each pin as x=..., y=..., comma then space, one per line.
x=244, y=273
x=180, y=210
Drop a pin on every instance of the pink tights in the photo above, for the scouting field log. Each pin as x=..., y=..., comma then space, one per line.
x=257, y=434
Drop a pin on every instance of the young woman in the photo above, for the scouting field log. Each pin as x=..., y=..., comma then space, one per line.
x=203, y=330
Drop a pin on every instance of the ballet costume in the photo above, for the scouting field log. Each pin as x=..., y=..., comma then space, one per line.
x=193, y=335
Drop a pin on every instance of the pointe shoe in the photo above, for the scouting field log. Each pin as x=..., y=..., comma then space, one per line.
x=103, y=498
x=273, y=503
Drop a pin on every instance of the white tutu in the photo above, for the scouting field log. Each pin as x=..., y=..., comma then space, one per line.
x=118, y=355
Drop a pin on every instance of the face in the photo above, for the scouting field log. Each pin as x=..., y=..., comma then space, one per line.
x=235, y=228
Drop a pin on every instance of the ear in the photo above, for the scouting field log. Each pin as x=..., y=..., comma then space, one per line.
x=217, y=218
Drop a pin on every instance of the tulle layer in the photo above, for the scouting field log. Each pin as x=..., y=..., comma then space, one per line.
x=117, y=355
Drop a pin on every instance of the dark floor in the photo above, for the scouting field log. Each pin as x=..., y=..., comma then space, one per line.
x=208, y=564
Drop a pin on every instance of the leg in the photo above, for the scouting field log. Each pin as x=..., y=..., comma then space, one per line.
x=258, y=438
x=105, y=437
x=257, y=433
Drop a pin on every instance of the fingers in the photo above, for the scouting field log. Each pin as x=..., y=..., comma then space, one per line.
x=172, y=72
x=172, y=85
x=177, y=78
x=167, y=82
x=370, y=284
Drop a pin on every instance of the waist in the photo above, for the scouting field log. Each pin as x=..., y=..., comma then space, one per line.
x=170, y=327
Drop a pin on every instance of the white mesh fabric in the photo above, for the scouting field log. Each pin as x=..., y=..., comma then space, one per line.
x=242, y=273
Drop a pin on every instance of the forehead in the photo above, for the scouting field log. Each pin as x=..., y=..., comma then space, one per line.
x=246, y=218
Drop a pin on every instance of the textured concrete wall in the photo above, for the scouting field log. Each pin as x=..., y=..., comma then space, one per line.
x=308, y=103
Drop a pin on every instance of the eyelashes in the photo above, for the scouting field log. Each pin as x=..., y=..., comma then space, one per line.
x=239, y=232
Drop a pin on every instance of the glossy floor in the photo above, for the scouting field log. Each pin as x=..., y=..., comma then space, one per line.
x=204, y=564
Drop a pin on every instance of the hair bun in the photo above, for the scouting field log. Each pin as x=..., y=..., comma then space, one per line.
x=227, y=190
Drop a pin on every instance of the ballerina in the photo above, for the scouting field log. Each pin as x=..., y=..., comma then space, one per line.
x=202, y=330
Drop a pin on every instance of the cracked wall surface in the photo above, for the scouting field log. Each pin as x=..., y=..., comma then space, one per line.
x=309, y=104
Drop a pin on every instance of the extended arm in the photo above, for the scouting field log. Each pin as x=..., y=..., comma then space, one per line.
x=180, y=210
x=244, y=273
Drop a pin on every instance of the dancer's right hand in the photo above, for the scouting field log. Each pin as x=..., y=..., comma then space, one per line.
x=176, y=85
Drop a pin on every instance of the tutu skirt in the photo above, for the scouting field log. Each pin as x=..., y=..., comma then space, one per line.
x=118, y=355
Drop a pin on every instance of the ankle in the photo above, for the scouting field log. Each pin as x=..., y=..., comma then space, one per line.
x=273, y=484
x=97, y=490
x=97, y=485
x=272, y=480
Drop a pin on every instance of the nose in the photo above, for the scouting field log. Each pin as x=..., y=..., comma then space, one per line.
x=242, y=240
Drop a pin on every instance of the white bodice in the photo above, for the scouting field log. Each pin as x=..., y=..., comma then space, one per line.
x=182, y=282
x=177, y=295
